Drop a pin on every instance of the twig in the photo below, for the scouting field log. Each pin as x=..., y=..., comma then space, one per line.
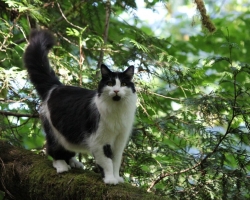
x=24, y=35
x=81, y=54
x=164, y=96
x=162, y=176
x=64, y=17
x=105, y=35
x=3, y=44
x=66, y=39
x=68, y=12
x=5, y=113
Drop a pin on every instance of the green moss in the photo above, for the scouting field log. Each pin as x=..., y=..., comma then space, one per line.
x=77, y=184
x=31, y=176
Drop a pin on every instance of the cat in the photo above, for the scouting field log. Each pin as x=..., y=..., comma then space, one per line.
x=75, y=119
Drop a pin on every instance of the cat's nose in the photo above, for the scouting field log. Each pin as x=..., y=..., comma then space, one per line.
x=116, y=91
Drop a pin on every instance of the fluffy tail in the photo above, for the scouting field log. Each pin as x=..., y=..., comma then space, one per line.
x=37, y=63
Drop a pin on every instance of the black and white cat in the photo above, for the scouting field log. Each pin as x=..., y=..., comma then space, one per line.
x=79, y=120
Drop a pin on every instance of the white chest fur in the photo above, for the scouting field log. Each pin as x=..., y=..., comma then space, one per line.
x=116, y=119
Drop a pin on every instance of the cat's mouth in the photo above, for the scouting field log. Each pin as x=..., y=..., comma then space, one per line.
x=116, y=98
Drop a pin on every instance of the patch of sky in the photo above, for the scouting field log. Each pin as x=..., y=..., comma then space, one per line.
x=160, y=16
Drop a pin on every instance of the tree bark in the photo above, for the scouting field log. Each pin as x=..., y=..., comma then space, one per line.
x=25, y=175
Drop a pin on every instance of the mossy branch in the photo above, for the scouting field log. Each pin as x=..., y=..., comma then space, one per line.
x=205, y=19
x=25, y=175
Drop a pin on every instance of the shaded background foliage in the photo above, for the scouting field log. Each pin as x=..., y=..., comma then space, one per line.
x=191, y=136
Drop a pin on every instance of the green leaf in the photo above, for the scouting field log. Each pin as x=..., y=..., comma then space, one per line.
x=136, y=44
x=72, y=32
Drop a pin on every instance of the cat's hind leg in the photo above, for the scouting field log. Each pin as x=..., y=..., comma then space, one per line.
x=62, y=165
x=63, y=159
x=75, y=163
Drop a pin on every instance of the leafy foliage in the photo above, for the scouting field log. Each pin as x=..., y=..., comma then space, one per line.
x=192, y=134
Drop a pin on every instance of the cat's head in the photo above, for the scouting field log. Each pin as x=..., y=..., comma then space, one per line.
x=116, y=85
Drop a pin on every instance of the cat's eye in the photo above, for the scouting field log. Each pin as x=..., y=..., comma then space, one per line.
x=109, y=83
x=123, y=84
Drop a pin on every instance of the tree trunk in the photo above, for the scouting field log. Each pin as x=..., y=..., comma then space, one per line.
x=25, y=175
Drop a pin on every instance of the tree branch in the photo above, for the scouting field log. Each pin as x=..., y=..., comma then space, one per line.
x=65, y=18
x=162, y=176
x=25, y=175
x=67, y=13
x=6, y=113
x=205, y=19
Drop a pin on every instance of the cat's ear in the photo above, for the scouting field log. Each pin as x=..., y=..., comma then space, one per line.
x=105, y=70
x=130, y=71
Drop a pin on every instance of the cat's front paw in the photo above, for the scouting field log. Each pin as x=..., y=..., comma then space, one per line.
x=61, y=166
x=120, y=179
x=110, y=180
x=75, y=163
